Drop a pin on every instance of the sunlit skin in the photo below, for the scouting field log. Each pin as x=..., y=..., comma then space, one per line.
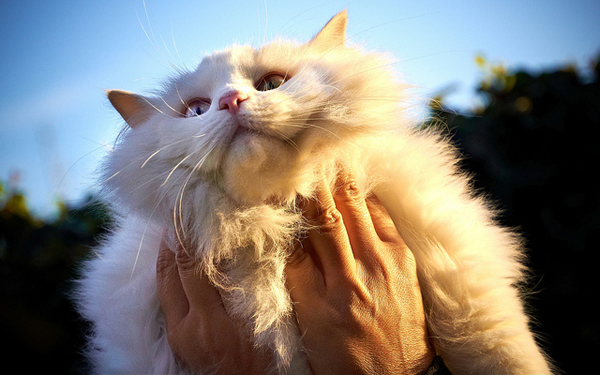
x=354, y=287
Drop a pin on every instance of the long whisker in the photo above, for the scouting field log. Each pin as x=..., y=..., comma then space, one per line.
x=164, y=195
x=156, y=108
x=171, y=108
x=169, y=145
x=353, y=36
x=182, y=191
x=145, y=231
x=179, y=164
x=137, y=160
x=55, y=194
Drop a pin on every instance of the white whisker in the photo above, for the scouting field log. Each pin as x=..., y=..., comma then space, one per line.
x=177, y=166
x=171, y=108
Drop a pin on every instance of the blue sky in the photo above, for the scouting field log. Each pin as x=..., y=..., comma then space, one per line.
x=58, y=56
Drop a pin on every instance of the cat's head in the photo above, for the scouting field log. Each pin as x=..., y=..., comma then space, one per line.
x=256, y=123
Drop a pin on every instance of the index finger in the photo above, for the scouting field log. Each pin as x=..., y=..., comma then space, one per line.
x=329, y=238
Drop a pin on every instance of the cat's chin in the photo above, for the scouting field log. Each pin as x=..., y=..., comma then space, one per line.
x=259, y=168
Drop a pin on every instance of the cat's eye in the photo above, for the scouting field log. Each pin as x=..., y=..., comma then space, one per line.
x=271, y=81
x=197, y=107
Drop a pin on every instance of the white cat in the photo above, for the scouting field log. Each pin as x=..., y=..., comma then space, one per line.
x=219, y=157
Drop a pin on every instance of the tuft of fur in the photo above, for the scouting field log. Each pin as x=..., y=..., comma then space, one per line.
x=227, y=184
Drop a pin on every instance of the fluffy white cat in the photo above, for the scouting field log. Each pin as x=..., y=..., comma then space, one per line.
x=220, y=155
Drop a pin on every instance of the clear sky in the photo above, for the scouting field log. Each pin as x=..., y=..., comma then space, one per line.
x=58, y=56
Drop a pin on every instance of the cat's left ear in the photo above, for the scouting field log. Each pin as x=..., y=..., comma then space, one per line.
x=333, y=34
x=134, y=109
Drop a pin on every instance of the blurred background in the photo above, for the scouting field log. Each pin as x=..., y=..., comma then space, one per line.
x=513, y=83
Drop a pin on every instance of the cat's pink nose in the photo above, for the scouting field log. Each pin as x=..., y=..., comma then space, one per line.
x=232, y=101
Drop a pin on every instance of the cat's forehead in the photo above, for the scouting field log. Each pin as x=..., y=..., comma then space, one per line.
x=231, y=58
x=237, y=65
x=246, y=60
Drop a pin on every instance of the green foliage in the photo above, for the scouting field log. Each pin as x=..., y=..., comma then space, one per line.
x=534, y=149
x=38, y=263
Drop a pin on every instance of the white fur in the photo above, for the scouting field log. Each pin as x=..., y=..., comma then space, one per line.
x=232, y=196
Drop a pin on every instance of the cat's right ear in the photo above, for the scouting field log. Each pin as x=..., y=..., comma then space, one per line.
x=135, y=109
x=333, y=33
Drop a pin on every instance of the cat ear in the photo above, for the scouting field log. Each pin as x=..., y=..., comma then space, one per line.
x=135, y=109
x=333, y=33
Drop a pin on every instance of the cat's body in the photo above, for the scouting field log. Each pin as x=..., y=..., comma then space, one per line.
x=227, y=181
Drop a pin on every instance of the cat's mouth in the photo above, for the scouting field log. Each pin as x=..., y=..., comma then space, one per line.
x=243, y=129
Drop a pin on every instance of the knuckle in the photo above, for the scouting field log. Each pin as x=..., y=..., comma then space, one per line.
x=351, y=188
x=328, y=219
x=408, y=260
x=187, y=264
x=297, y=256
x=350, y=191
x=361, y=295
x=165, y=264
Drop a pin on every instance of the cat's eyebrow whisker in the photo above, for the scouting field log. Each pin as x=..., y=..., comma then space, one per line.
x=179, y=95
x=395, y=62
x=382, y=66
x=175, y=44
x=156, y=108
x=171, y=108
x=353, y=36
x=153, y=41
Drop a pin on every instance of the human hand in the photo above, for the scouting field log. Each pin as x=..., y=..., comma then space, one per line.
x=200, y=332
x=355, y=289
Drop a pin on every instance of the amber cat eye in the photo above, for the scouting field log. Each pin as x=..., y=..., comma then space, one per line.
x=271, y=81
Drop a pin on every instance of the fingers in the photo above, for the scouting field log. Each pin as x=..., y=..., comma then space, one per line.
x=200, y=293
x=345, y=223
x=382, y=222
x=348, y=228
x=182, y=289
x=355, y=213
x=199, y=331
x=171, y=294
x=329, y=238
